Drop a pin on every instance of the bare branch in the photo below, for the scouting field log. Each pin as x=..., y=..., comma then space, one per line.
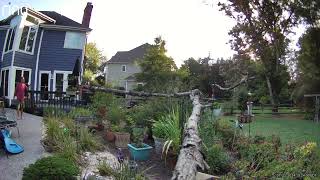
x=243, y=80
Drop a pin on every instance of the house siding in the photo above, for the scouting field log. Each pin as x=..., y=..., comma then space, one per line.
x=117, y=77
x=53, y=56
x=7, y=58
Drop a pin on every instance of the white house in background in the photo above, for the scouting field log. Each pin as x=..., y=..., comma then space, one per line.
x=121, y=68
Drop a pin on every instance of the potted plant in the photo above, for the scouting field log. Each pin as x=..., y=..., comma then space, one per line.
x=139, y=150
x=172, y=131
x=122, y=138
x=159, y=135
x=216, y=109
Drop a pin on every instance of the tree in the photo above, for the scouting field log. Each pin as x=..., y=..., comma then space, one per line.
x=261, y=35
x=94, y=60
x=158, y=71
x=309, y=62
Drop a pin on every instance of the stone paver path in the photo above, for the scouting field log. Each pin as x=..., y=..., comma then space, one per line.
x=11, y=167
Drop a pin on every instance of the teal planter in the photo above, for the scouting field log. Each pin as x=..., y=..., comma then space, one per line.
x=140, y=154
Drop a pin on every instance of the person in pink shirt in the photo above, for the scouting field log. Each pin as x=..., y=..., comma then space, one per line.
x=20, y=92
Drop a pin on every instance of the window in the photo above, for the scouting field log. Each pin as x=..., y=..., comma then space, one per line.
x=59, y=82
x=22, y=73
x=4, y=82
x=10, y=39
x=28, y=38
x=74, y=40
x=124, y=68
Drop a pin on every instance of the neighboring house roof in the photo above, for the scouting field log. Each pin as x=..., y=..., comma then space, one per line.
x=130, y=56
x=61, y=19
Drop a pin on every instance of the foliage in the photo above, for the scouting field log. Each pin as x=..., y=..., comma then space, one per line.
x=261, y=33
x=78, y=111
x=216, y=105
x=53, y=112
x=87, y=141
x=94, y=58
x=116, y=114
x=67, y=147
x=122, y=171
x=144, y=113
x=137, y=135
x=51, y=168
x=101, y=99
x=157, y=69
x=308, y=65
x=217, y=159
x=172, y=130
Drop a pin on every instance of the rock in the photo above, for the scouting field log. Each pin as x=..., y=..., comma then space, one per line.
x=93, y=160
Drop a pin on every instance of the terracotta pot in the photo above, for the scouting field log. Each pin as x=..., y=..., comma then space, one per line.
x=122, y=139
x=110, y=136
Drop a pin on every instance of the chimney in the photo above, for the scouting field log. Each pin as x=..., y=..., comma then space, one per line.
x=87, y=15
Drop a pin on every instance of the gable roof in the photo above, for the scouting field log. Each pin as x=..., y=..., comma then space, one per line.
x=130, y=56
x=52, y=20
x=61, y=19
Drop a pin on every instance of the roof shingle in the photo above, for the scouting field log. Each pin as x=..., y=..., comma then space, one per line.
x=61, y=19
x=130, y=56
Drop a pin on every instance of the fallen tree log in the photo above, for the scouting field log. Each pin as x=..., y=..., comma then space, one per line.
x=190, y=156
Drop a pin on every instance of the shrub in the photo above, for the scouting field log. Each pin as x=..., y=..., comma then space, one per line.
x=104, y=169
x=101, y=99
x=51, y=168
x=87, y=141
x=116, y=114
x=79, y=112
x=53, y=112
x=217, y=159
x=52, y=130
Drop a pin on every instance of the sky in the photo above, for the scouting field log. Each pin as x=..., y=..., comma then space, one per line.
x=191, y=28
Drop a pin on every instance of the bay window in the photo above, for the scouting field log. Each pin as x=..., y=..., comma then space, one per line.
x=10, y=39
x=28, y=38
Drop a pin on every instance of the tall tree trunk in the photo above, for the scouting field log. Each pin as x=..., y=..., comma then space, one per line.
x=272, y=95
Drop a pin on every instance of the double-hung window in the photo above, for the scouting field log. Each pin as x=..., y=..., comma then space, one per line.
x=10, y=39
x=27, y=41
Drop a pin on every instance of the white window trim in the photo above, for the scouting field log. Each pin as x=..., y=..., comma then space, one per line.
x=65, y=37
x=49, y=80
x=34, y=42
x=5, y=43
x=22, y=69
x=65, y=79
x=4, y=69
x=125, y=68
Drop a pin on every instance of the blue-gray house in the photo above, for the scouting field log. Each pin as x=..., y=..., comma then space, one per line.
x=44, y=47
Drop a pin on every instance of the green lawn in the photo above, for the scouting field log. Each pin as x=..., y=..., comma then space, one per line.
x=290, y=128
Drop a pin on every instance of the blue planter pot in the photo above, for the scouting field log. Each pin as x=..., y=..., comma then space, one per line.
x=140, y=154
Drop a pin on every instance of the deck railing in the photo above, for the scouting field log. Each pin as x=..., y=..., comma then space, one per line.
x=37, y=100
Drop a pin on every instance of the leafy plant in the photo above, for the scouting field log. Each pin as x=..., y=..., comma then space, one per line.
x=215, y=105
x=217, y=159
x=51, y=168
x=116, y=115
x=172, y=131
x=104, y=169
x=137, y=134
x=67, y=147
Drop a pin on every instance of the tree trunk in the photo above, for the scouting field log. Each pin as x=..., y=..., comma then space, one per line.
x=190, y=157
x=272, y=97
